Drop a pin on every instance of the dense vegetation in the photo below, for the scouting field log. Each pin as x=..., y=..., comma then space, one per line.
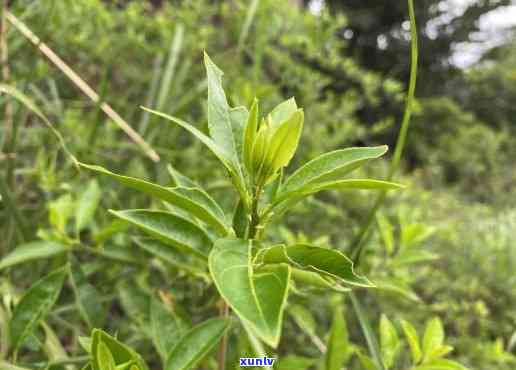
x=440, y=252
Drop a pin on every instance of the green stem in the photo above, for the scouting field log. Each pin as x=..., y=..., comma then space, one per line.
x=359, y=242
x=372, y=343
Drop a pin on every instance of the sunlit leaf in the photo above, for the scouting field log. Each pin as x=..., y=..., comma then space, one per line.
x=413, y=341
x=389, y=341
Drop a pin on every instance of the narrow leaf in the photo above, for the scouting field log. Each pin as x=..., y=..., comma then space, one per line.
x=413, y=341
x=200, y=206
x=331, y=166
x=316, y=259
x=196, y=344
x=250, y=131
x=339, y=348
x=389, y=341
x=32, y=251
x=88, y=203
x=433, y=338
x=34, y=305
x=168, y=228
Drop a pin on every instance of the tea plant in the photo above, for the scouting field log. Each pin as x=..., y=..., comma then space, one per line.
x=251, y=276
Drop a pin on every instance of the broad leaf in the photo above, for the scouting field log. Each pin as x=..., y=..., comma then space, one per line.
x=168, y=228
x=34, y=305
x=322, y=260
x=87, y=204
x=196, y=344
x=258, y=298
x=331, y=166
x=413, y=341
x=32, y=251
x=193, y=201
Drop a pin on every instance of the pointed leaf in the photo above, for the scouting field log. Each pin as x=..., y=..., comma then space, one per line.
x=283, y=111
x=105, y=358
x=413, y=341
x=238, y=117
x=316, y=280
x=168, y=228
x=32, y=251
x=167, y=328
x=179, y=179
x=88, y=203
x=228, y=162
x=433, y=338
x=251, y=129
x=441, y=364
x=219, y=121
x=34, y=305
x=258, y=298
x=339, y=347
x=121, y=353
x=322, y=260
x=196, y=344
x=331, y=166
x=285, y=140
x=389, y=341
x=190, y=200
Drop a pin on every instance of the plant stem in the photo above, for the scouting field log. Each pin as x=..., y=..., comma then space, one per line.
x=224, y=312
x=358, y=243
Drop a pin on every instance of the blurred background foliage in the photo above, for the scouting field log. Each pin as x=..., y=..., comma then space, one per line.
x=443, y=247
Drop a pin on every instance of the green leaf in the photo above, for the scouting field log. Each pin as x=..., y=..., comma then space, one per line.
x=413, y=341
x=228, y=162
x=258, y=298
x=397, y=286
x=193, y=201
x=87, y=297
x=120, y=353
x=389, y=341
x=219, y=122
x=339, y=348
x=386, y=232
x=196, y=344
x=316, y=280
x=284, y=142
x=283, y=111
x=34, y=305
x=250, y=131
x=293, y=362
x=240, y=220
x=104, y=358
x=168, y=254
x=167, y=328
x=87, y=204
x=303, y=318
x=60, y=211
x=412, y=256
x=330, y=166
x=432, y=339
x=168, y=228
x=179, y=179
x=238, y=117
x=316, y=259
x=32, y=251
x=441, y=364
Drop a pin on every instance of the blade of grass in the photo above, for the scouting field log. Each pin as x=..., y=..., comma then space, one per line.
x=251, y=12
x=173, y=56
x=358, y=243
x=82, y=85
x=372, y=342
